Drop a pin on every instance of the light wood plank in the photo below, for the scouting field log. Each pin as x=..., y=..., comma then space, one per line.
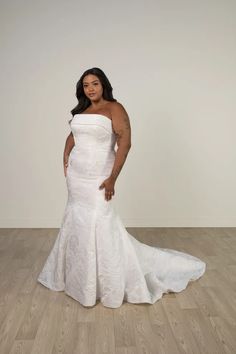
x=200, y=319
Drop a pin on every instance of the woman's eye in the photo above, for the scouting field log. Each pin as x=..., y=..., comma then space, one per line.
x=96, y=83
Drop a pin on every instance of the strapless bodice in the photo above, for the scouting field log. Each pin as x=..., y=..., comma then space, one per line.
x=93, y=131
x=94, y=151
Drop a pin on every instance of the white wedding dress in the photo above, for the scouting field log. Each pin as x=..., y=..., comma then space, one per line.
x=94, y=257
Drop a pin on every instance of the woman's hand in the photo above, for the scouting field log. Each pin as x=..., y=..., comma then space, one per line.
x=108, y=184
x=65, y=163
x=70, y=143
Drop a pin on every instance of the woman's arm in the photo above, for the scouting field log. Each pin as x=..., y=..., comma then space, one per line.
x=122, y=129
x=68, y=147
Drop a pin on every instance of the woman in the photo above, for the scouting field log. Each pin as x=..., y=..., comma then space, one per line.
x=94, y=257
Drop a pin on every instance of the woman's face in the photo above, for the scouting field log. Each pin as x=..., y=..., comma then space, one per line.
x=92, y=87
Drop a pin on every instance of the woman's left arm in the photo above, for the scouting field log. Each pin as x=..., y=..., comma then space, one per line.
x=122, y=129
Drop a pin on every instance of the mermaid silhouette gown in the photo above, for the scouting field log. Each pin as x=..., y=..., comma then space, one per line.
x=94, y=257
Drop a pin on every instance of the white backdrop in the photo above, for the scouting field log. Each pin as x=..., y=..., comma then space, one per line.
x=171, y=64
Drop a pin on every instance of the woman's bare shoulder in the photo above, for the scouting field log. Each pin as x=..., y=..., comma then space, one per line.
x=117, y=107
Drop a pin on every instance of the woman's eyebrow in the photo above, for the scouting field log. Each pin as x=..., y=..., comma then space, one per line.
x=91, y=81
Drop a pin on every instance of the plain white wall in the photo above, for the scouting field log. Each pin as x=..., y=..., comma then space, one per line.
x=171, y=64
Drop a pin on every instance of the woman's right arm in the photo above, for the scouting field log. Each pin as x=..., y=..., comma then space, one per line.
x=68, y=147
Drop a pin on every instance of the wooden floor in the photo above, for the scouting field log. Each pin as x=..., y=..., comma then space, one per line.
x=200, y=319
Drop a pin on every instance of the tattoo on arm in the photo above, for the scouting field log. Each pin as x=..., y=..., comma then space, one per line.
x=122, y=134
x=116, y=170
x=127, y=122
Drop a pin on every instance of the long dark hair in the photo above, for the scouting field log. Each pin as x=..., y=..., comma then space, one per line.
x=84, y=102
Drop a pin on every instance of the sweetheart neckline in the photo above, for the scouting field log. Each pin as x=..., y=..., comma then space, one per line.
x=95, y=114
